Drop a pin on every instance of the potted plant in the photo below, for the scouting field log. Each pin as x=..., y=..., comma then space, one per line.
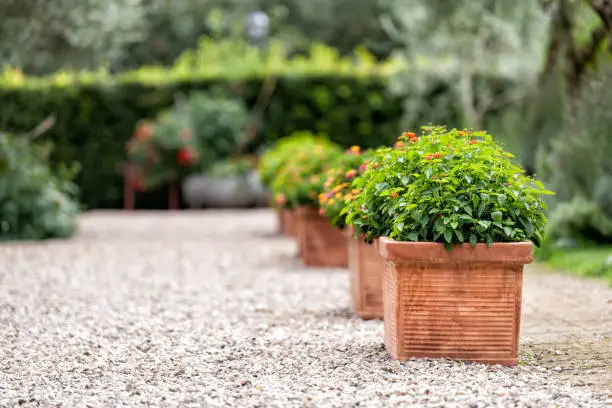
x=456, y=221
x=364, y=261
x=162, y=152
x=271, y=165
x=183, y=140
x=298, y=186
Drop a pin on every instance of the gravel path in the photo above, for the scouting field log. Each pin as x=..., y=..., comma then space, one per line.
x=206, y=309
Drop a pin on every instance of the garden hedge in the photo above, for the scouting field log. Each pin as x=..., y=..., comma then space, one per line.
x=96, y=112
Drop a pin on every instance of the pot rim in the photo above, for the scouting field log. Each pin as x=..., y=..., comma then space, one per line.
x=435, y=252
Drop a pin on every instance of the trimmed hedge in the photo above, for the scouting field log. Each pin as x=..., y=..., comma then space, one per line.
x=96, y=113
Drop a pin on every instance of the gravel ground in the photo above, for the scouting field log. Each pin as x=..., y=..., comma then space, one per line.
x=202, y=309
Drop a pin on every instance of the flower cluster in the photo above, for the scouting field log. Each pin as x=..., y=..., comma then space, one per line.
x=337, y=190
x=451, y=186
x=161, y=151
x=301, y=177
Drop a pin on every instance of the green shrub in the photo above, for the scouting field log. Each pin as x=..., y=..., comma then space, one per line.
x=277, y=156
x=35, y=204
x=189, y=137
x=451, y=186
x=96, y=113
x=578, y=165
x=230, y=168
x=300, y=180
x=581, y=220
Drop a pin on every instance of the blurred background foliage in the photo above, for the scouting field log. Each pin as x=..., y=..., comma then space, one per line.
x=534, y=73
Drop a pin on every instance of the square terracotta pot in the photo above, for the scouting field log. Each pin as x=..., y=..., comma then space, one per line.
x=289, y=222
x=319, y=243
x=280, y=220
x=464, y=304
x=366, y=268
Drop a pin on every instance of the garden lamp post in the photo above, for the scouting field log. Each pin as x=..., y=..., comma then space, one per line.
x=257, y=28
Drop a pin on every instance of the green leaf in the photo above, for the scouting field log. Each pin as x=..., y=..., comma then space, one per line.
x=497, y=216
x=413, y=236
x=473, y=240
x=484, y=224
x=448, y=236
x=501, y=199
x=459, y=235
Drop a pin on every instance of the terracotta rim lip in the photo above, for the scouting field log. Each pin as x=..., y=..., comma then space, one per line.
x=435, y=252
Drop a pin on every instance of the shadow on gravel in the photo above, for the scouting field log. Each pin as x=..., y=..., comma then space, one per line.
x=580, y=363
x=337, y=313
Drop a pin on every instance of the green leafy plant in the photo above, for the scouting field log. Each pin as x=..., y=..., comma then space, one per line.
x=190, y=136
x=337, y=187
x=300, y=180
x=218, y=124
x=230, y=168
x=35, y=202
x=162, y=151
x=451, y=186
x=281, y=152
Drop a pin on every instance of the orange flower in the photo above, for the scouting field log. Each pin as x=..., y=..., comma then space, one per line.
x=438, y=155
x=143, y=132
x=394, y=194
x=473, y=142
x=280, y=199
x=350, y=174
x=321, y=211
x=399, y=144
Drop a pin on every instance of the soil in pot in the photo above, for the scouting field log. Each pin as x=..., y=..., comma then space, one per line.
x=366, y=268
x=463, y=304
x=319, y=243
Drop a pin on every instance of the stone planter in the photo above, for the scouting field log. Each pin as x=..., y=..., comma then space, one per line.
x=200, y=190
x=261, y=196
x=464, y=304
x=319, y=244
x=366, y=268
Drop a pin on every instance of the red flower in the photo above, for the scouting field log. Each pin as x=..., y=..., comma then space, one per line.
x=186, y=156
x=438, y=155
x=321, y=211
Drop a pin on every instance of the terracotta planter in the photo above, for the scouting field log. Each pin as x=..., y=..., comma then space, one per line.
x=289, y=222
x=319, y=244
x=280, y=220
x=464, y=304
x=366, y=268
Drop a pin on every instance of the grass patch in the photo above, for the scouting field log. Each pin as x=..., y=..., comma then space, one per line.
x=586, y=261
